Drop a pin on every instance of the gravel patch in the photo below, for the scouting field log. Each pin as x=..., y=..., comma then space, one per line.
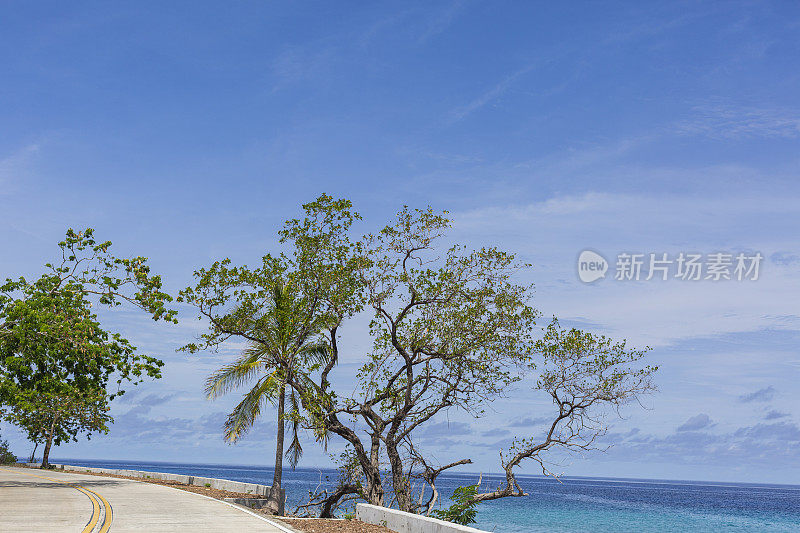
x=322, y=525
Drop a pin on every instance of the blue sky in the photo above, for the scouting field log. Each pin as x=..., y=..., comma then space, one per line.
x=187, y=132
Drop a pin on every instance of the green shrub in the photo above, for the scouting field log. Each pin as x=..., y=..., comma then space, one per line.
x=463, y=510
x=6, y=457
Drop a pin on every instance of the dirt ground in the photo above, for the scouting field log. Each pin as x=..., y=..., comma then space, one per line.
x=321, y=525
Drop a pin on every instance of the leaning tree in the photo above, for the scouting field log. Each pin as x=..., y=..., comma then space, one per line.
x=59, y=367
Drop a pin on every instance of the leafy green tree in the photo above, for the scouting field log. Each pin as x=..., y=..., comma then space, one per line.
x=285, y=348
x=54, y=350
x=452, y=329
x=6, y=457
x=57, y=417
x=322, y=274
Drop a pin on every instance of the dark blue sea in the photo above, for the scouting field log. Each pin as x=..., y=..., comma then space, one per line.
x=574, y=505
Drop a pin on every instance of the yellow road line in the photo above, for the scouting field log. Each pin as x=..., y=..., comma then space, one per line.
x=93, y=497
x=109, y=513
x=95, y=509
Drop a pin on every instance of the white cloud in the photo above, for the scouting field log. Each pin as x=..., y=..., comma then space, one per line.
x=552, y=233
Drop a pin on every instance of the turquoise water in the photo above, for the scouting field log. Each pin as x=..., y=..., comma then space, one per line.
x=572, y=506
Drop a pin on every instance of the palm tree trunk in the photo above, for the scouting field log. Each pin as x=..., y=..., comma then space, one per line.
x=275, y=490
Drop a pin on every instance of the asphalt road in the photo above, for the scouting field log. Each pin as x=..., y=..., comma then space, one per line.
x=46, y=500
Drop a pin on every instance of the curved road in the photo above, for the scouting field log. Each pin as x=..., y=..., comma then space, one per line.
x=47, y=500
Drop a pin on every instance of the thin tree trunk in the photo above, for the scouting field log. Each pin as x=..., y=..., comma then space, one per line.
x=46, y=455
x=33, y=453
x=400, y=482
x=275, y=490
x=49, y=436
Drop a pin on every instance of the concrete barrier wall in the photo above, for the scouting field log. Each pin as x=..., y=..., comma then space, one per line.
x=403, y=522
x=214, y=483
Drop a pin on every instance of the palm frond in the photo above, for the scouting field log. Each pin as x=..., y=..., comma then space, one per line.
x=236, y=374
x=290, y=348
x=316, y=353
x=295, y=450
x=245, y=413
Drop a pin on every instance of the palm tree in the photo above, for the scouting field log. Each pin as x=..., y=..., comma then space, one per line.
x=286, y=350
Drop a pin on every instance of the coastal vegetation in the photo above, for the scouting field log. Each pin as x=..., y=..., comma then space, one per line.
x=57, y=362
x=6, y=456
x=285, y=348
x=452, y=329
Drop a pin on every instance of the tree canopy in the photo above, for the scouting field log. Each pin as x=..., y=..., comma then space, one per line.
x=452, y=329
x=56, y=360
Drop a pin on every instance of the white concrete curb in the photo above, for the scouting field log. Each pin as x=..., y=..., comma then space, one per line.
x=403, y=522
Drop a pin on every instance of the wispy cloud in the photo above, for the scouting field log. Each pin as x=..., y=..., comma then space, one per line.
x=775, y=415
x=421, y=24
x=301, y=63
x=15, y=164
x=726, y=121
x=761, y=395
x=784, y=258
x=446, y=428
x=439, y=21
x=488, y=96
x=695, y=423
x=756, y=444
x=531, y=421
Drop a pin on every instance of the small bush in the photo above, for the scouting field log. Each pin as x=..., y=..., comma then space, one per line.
x=463, y=510
x=208, y=485
x=6, y=457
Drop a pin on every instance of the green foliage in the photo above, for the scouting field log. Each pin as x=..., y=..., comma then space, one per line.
x=50, y=336
x=56, y=359
x=320, y=275
x=463, y=511
x=452, y=328
x=281, y=346
x=60, y=414
x=6, y=457
x=349, y=469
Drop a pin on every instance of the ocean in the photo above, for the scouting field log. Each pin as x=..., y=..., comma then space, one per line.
x=575, y=505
